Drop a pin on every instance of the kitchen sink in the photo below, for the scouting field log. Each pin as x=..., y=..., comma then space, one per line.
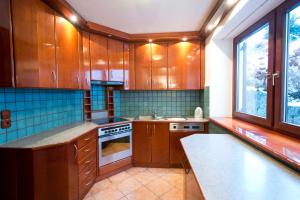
x=145, y=117
x=176, y=118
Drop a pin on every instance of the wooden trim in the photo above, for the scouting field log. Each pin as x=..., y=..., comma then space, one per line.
x=278, y=122
x=167, y=36
x=268, y=122
x=202, y=64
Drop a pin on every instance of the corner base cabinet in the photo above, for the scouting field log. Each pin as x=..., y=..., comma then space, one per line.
x=62, y=171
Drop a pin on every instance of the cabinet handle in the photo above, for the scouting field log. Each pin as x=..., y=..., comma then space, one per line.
x=53, y=75
x=87, y=150
x=275, y=76
x=88, y=161
x=87, y=173
x=89, y=183
x=153, y=132
x=87, y=139
x=76, y=150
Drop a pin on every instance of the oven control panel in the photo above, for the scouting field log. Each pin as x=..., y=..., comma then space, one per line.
x=114, y=130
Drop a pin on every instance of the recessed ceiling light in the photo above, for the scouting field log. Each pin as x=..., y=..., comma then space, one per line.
x=231, y=2
x=73, y=18
x=150, y=40
x=184, y=39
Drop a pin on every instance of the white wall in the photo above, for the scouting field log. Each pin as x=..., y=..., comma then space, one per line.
x=219, y=76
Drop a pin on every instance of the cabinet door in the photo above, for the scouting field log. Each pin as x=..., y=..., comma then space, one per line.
x=141, y=140
x=34, y=44
x=176, y=150
x=143, y=66
x=99, y=58
x=160, y=144
x=159, y=60
x=67, y=54
x=116, y=60
x=184, y=65
x=85, y=61
x=129, y=71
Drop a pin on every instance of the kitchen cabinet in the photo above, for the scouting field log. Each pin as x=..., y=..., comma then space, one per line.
x=143, y=66
x=34, y=44
x=116, y=60
x=67, y=54
x=129, y=69
x=151, y=144
x=99, y=57
x=63, y=171
x=184, y=65
x=159, y=65
x=85, y=64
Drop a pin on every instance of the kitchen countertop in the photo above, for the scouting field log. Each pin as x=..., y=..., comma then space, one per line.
x=54, y=136
x=188, y=120
x=227, y=168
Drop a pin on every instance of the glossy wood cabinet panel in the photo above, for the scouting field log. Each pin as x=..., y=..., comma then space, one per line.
x=99, y=57
x=129, y=69
x=184, y=65
x=143, y=66
x=141, y=139
x=34, y=44
x=159, y=64
x=116, y=60
x=6, y=46
x=85, y=60
x=160, y=144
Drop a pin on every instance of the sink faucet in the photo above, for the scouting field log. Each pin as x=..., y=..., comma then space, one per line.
x=154, y=114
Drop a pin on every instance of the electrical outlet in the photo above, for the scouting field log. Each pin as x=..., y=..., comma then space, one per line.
x=5, y=114
x=5, y=123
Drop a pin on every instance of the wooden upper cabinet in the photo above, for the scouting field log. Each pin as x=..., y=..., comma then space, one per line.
x=116, y=60
x=184, y=65
x=129, y=71
x=34, y=44
x=85, y=64
x=99, y=57
x=159, y=60
x=67, y=54
x=143, y=66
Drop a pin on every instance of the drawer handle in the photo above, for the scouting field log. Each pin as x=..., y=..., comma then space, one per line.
x=87, y=173
x=88, y=161
x=87, y=139
x=89, y=183
x=76, y=150
x=87, y=150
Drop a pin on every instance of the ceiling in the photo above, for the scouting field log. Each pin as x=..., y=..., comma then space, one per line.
x=146, y=16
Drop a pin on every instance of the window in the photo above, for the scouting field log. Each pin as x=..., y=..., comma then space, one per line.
x=267, y=79
x=253, y=60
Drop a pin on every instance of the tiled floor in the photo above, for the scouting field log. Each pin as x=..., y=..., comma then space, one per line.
x=140, y=184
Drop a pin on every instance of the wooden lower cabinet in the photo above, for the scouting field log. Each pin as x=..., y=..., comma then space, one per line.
x=61, y=171
x=151, y=144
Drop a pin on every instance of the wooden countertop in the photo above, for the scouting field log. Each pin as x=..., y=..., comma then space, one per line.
x=283, y=147
x=227, y=168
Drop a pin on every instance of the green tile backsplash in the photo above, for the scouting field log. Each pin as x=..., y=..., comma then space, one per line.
x=37, y=110
x=165, y=103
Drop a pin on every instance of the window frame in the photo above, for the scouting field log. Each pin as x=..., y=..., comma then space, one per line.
x=279, y=124
x=268, y=121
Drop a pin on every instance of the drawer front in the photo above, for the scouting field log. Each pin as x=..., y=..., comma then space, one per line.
x=86, y=181
x=87, y=150
x=90, y=160
x=87, y=138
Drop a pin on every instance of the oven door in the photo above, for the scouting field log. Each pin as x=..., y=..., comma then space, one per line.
x=114, y=148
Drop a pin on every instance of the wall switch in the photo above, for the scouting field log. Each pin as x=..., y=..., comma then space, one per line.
x=5, y=114
x=5, y=123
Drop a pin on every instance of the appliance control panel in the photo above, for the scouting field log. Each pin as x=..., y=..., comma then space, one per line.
x=186, y=126
x=114, y=130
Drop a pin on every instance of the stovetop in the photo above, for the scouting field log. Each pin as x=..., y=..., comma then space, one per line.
x=109, y=120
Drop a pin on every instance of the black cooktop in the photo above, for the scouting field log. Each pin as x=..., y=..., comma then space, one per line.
x=109, y=120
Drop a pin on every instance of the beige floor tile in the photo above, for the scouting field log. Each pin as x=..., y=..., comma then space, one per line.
x=128, y=185
x=119, y=177
x=142, y=194
x=173, y=194
x=110, y=193
x=174, y=179
x=145, y=177
x=159, y=186
x=159, y=171
x=101, y=185
x=176, y=171
x=135, y=170
x=123, y=198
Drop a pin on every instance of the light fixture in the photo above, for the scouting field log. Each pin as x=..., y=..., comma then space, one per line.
x=231, y=2
x=184, y=39
x=73, y=18
x=150, y=40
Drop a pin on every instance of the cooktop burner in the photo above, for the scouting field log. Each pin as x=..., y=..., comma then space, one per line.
x=109, y=120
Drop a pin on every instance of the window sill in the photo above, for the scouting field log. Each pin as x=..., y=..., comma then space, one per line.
x=282, y=147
